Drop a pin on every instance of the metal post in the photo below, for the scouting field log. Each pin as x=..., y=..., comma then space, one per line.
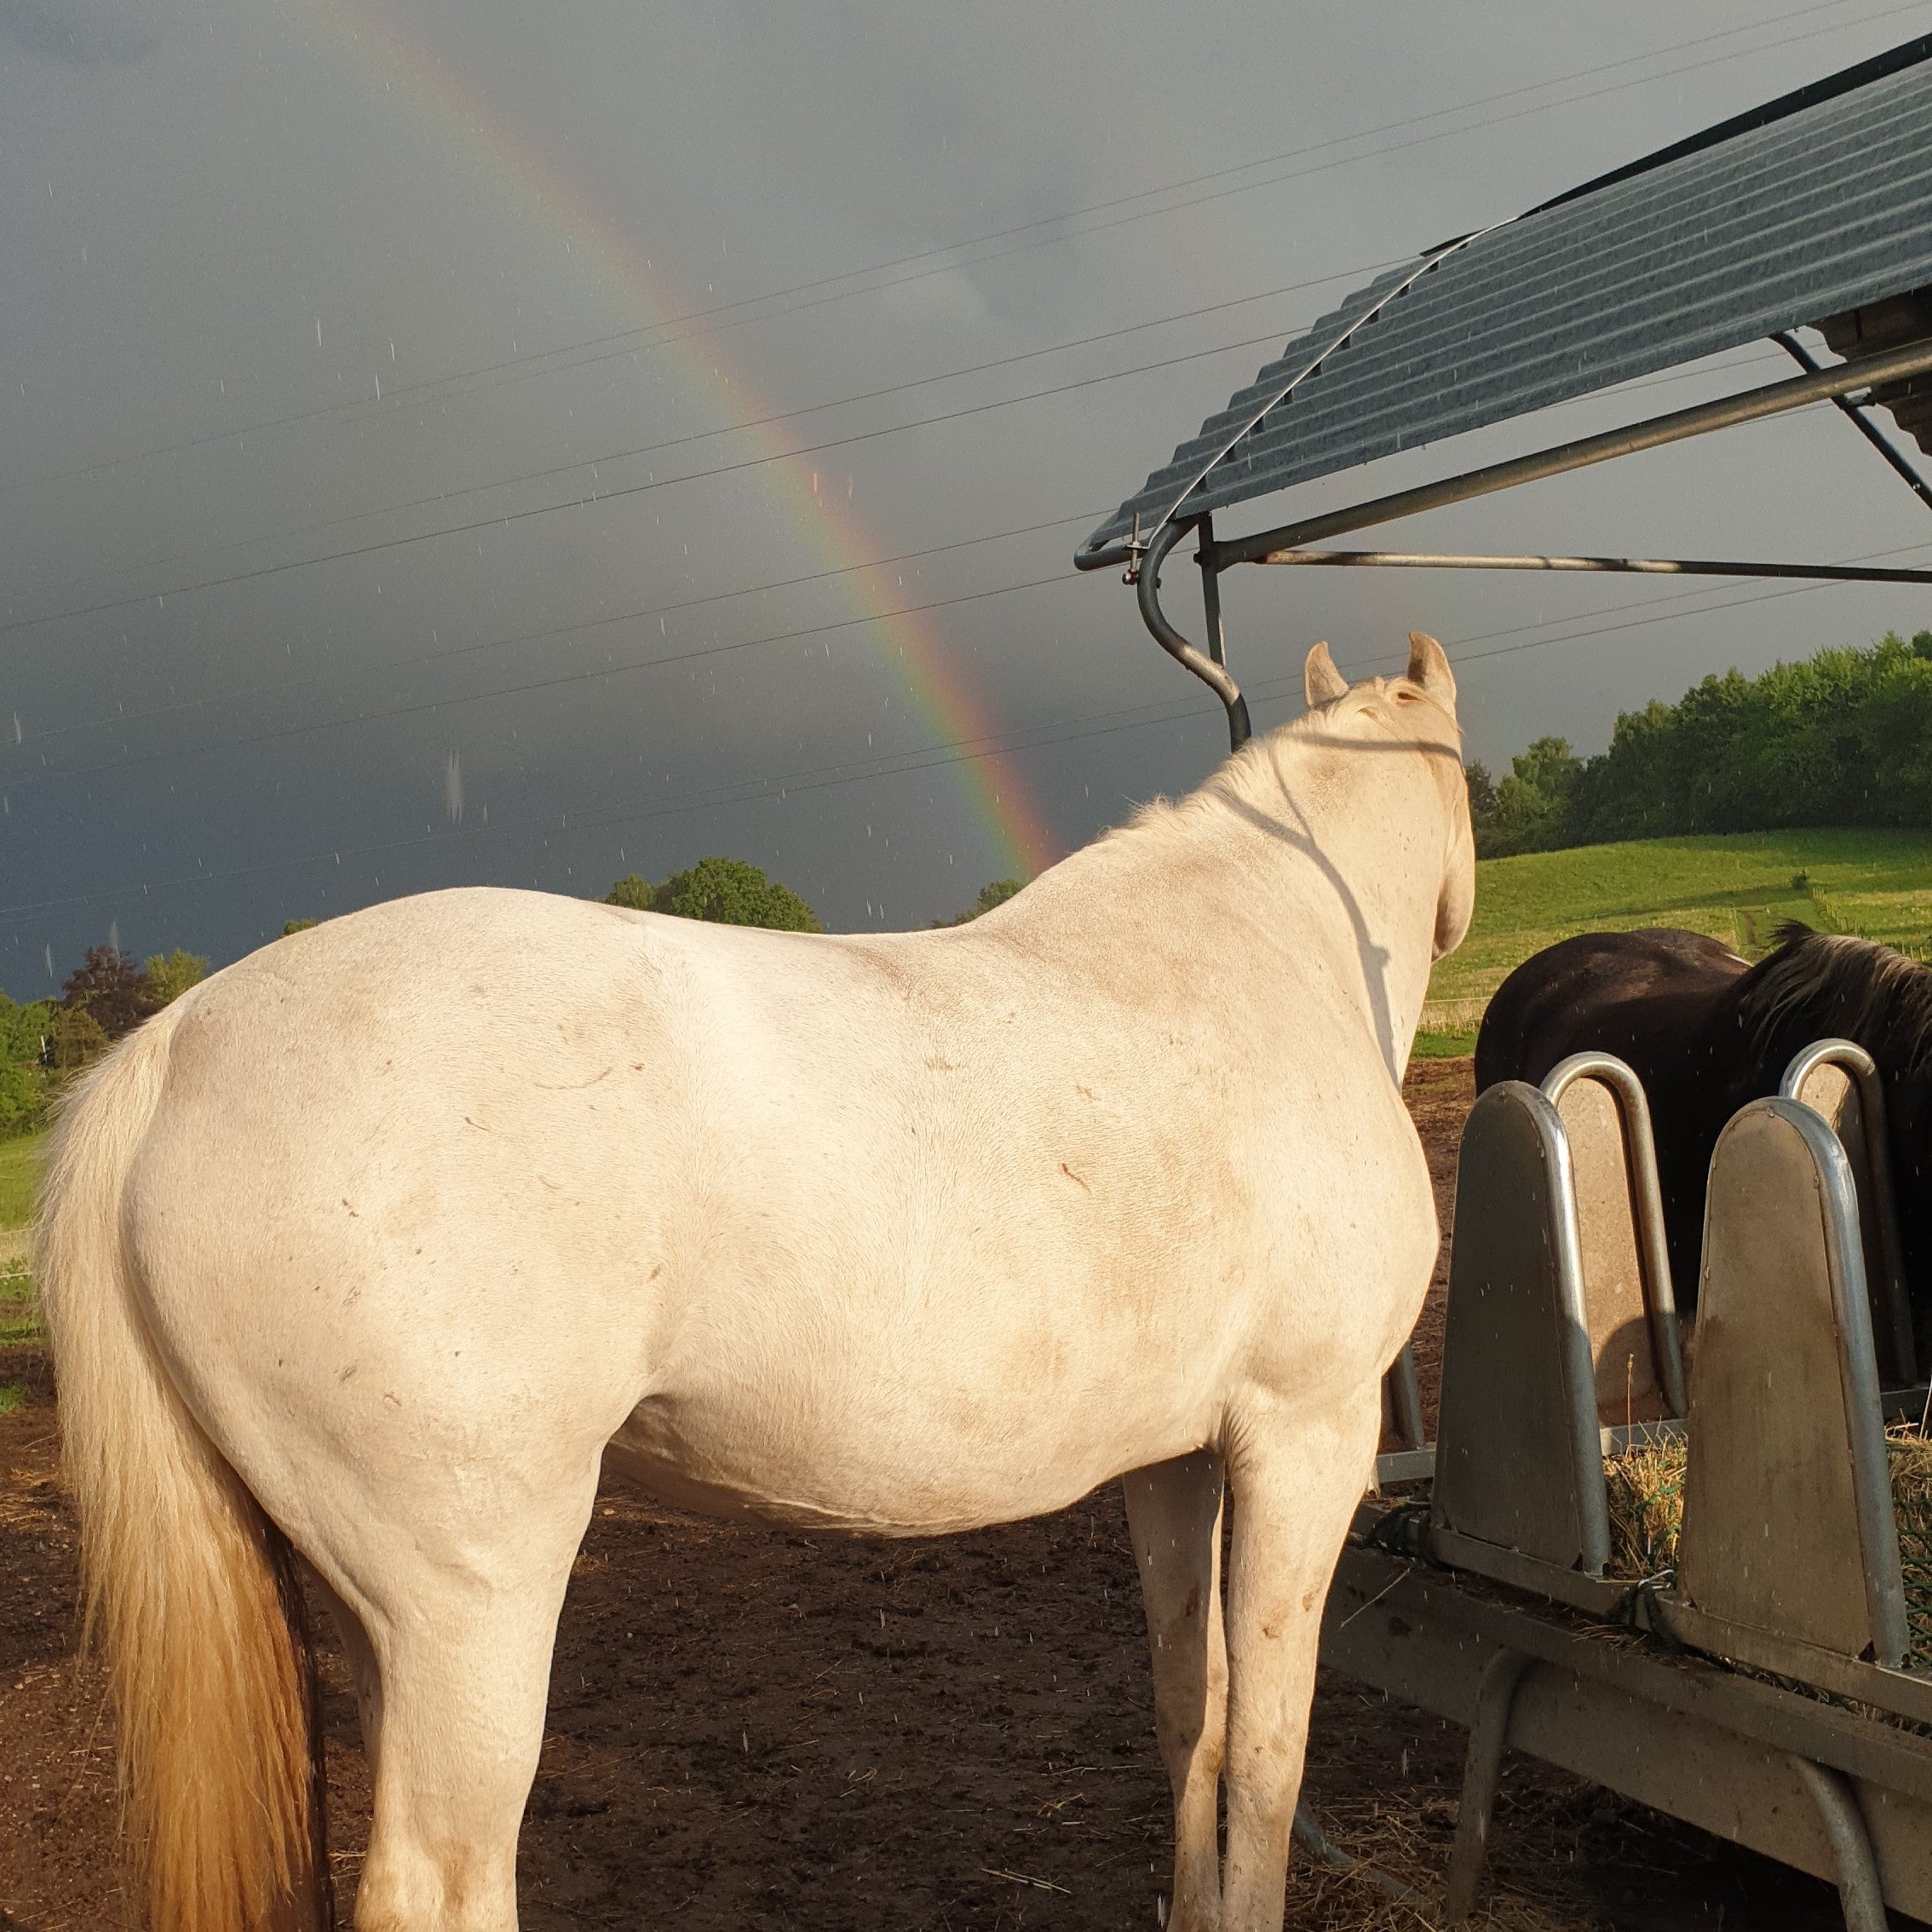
x=1489, y=1737
x=1405, y=1398
x=1861, y=1894
x=1210, y=592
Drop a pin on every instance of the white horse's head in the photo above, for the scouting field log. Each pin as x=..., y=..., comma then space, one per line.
x=1425, y=696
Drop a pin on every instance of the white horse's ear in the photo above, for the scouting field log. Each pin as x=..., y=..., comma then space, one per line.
x=1429, y=667
x=1322, y=683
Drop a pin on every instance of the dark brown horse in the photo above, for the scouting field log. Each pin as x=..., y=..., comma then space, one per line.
x=1706, y=1031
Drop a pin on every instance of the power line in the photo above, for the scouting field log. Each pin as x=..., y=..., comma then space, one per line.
x=766, y=421
x=506, y=518
x=950, y=252
x=121, y=720
x=112, y=720
x=533, y=687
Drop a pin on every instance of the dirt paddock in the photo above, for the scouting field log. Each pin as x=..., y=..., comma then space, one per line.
x=752, y=1728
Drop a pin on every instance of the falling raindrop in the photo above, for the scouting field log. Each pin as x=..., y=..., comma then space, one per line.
x=318, y=331
x=114, y=934
x=49, y=954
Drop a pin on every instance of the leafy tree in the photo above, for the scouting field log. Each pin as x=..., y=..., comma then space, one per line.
x=110, y=989
x=170, y=975
x=1843, y=739
x=1482, y=799
x=75, y=1039
x=732, y=891
x=23, y=1030
x=23, y=1099
x=24, y=1084
x=1528, y=809
x=729, y=891
x=632, y=891
x=995, y=894
x=298, y=926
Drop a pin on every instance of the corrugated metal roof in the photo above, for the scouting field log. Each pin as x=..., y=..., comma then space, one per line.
x=1811, y=207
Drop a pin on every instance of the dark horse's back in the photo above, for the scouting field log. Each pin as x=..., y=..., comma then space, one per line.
x=1631, y=994
x=1648, y=997
x=1706, y=1034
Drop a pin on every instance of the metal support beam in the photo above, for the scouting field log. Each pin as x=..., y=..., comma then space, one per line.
x=1639, y=566
x=1753, y=405
x=1861, y=421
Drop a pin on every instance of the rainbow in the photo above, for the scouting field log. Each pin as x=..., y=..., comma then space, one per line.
x=996, y=791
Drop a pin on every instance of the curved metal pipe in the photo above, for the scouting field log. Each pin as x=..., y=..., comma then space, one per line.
x=1213, y=675
x=1314, y=1843
x=1858, y=1370
x=1640, y=1146
x=1861, y=1893
x=1856, y=1061
x=1489, y=1737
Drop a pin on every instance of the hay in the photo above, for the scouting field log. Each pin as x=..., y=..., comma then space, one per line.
x=1646, y=1493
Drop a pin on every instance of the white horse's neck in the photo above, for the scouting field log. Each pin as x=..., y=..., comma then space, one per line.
x=1320, y=849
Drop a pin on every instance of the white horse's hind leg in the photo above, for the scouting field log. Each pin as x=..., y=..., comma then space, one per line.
x=1296, y=1486
x=364, y=1676
x=465, y=1684
x=1174, y=1516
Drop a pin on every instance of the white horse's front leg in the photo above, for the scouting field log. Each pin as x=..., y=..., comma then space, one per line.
x=1296, y=1483
x=1174, y=1516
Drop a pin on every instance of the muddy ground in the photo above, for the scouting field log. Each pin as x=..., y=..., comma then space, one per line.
x=754, y=1728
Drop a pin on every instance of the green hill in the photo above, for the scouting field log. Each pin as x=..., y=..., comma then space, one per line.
x=1738, y=887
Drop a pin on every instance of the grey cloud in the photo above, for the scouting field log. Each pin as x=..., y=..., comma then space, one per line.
x=83, y=32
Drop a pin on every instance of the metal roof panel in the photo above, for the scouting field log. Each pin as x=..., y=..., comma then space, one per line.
x=1813, y=206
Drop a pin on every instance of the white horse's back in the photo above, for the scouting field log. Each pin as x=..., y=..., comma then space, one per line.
x=433, y=1207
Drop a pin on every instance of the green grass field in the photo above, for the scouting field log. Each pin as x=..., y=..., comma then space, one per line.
x=20, y=1174
x=1737, y=888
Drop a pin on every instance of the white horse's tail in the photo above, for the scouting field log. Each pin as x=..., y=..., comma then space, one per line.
x=190, y=1589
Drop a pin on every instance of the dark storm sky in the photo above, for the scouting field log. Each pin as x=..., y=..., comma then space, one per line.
x=223, y=225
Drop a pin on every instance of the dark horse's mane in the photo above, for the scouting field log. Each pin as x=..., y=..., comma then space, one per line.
x=1849, y=988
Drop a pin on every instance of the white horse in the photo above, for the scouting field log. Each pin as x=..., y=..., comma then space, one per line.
x=376, y=1246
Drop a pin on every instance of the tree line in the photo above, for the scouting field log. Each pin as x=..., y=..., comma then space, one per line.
x=45, y=1043
x=1841, y=738
x=105, y=997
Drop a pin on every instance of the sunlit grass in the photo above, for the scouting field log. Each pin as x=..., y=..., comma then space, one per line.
x=19, y=1175
x=21, y=1323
